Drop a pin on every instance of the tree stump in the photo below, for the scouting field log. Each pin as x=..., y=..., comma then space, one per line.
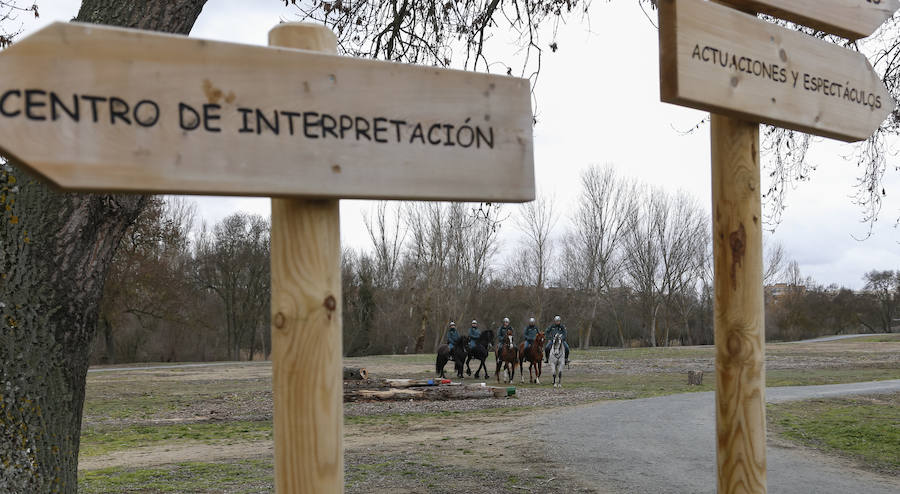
x=355, y=374
x=695, y=378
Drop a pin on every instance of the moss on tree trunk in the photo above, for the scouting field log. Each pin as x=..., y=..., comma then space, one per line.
x=55, y=250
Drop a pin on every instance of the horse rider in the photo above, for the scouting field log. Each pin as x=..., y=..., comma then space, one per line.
x=474, y=333
x=452, y=336
x=531, y=333
x=501, y=334
x=556, y=328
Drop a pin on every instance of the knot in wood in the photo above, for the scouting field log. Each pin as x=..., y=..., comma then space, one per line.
x=737, y=240
x=279, y=320
x=740, y=348
x=330, y=303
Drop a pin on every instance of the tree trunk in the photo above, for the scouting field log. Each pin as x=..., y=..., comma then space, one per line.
x=586, y=343
x=653, y=325
x=420, y=338
x=109, y=345
x=55, y=251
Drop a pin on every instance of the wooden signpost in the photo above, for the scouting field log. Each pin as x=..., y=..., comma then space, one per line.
x=104, y=109
x=719, y=59
x=748, y=71
x=96, y=108
x=851, y=19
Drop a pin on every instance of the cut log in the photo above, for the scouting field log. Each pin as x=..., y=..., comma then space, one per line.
x=695, y=378
x=355, y=373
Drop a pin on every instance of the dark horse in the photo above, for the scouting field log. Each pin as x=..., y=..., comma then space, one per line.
x=458, y=355
x=535, y=356
x=480, y=352
x=508, y=357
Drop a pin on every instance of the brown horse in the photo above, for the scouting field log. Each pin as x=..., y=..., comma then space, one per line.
x=535, y=357
x=507, y=356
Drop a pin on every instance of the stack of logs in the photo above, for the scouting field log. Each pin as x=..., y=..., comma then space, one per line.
x=358, y=386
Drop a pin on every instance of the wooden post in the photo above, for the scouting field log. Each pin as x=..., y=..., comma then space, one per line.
x=738, y=314
x=306, y=324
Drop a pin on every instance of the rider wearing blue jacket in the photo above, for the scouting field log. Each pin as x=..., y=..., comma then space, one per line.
x=501, y=332
x=474, y=333
x=552, y=331
x=530, y=334
x=452, y=336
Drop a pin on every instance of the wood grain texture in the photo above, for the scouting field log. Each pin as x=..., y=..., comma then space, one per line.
x=851, y=19
x=738, y=312
x=719, y=59
x=307, y=369
x=259, y=121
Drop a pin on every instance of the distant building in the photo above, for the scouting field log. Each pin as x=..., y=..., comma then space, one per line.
x=781, y=290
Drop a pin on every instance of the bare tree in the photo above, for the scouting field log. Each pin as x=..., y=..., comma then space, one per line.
x=426, y=32
x=233, y=262
x=387, y=235
x=536, y=220
x=9, y=13
x=883, y=285
x=683, y=239
x=666, y=235
x=449, y=258
x=773, y=261
x=593, y=250
x=643, y=259
x=146, y=290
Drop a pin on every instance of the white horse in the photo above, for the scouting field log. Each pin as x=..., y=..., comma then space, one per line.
x=557, y=360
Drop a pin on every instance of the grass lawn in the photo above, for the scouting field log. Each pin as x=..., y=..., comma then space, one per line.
x=863, y=428
x=106, y=439
x=242, y=476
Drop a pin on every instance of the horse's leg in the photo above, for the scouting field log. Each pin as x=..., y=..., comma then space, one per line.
x=497, y=369
x=469, y=369
x=484, y=366
x=521, y=370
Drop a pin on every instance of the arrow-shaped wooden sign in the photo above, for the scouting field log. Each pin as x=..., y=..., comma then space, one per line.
x=849, y=18
x=98, y=108
x=719, y=59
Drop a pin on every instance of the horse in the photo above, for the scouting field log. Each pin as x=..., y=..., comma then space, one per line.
x=480, y=352
x=458, y=355
x=557, y=360
x=535, y=357
x=507, y=356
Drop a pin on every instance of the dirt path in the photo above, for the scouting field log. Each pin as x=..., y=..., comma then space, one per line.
x=667, y=444
x=166, y=453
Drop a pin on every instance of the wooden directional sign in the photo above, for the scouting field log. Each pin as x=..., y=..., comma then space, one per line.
x=98, y=108
x=849, y=18
x=719, y=59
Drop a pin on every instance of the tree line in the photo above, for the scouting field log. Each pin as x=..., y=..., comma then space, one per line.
x=630, y=266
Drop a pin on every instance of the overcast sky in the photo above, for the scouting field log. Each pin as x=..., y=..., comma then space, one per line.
x=598, y=102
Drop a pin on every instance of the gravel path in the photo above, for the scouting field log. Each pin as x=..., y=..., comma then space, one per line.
x=667, y=445
x=839, y=337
